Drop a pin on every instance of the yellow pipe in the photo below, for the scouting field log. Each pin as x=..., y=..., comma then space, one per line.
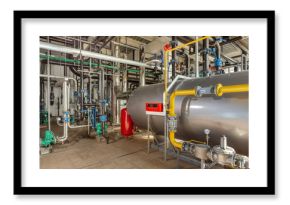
x=166, y=62
x=220, y=89
x=172, y=112
x=173, y=141
x=189, y=43
x=197, y=141
x=178, y=93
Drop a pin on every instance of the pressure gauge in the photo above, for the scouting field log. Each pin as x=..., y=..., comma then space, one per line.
x=206, y=131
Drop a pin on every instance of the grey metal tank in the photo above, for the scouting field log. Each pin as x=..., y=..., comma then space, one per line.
x=226, y=115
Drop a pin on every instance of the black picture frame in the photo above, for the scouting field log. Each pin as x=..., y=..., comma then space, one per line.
x=268, y=190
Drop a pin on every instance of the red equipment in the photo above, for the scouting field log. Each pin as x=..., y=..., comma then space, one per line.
x=167, y=47
x=154, y=107
x=127, y=125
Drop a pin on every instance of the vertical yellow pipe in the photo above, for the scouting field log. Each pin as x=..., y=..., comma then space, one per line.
x=220, y=90
x=172, y=97
x=191, y=92
x=173, y=141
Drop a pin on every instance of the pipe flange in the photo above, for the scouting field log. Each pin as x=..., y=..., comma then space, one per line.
x=218, y=90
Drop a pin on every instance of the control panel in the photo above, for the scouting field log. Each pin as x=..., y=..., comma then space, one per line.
x=154, y=107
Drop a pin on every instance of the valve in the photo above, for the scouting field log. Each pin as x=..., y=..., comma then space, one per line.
x=172, y=123
x=200, y=91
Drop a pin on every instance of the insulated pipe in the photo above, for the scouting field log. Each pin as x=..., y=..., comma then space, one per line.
x=65, y=123
x=76, y=126
x=142, y=69
x=196, y=59
x=218, y=52
x=99, y=56
x=48, y=87
x=125, y=78
x=173, y=58
x=116, y=89
x=205, y=56
x=60, y=77
x=82, y=84
x=102, y=105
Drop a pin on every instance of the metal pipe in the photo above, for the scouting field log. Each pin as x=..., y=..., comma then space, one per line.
x=76, y=126
x=218, y=52
x=142, y=69
x=65, y=114
x=196, y=59
x=220, y=89
x=125, y=79
x=205, y=56
x=106, y=42
x=172, y=84
x=175, y=80
x=173, y=57
x=68, y=96
x=191, y=92
x=82, y=85
x=60, y=77
x=153, y=61
x=116, y=89
x=48, y=88
x=89, y=86
x=64, y=49
x=103, y=105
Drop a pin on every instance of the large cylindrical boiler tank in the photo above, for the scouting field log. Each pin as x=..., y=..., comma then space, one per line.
x=226, y=115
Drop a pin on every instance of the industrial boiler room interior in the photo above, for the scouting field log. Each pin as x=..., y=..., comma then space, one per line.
x=144, y=102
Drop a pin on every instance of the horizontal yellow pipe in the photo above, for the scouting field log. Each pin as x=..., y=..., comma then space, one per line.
x=189, y=43
x=220, y=89
x=173, y=141
x=178, y=93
